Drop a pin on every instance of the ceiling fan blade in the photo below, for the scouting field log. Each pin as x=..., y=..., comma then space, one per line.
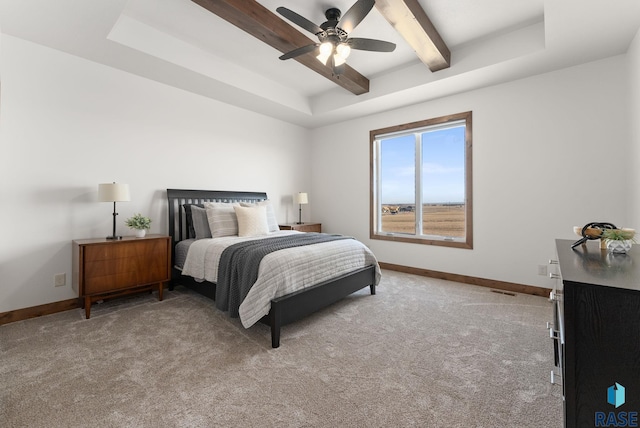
x=300, y=51
x=371, y=45
x=355, y=14
x=299, y=20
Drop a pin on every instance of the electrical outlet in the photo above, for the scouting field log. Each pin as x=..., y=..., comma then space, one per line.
x=542, y=270
x=60, y=279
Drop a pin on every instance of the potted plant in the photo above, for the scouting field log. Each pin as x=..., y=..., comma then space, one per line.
x=619, y=240
x=139, y=223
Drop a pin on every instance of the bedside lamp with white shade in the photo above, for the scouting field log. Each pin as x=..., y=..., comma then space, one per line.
x=301, y=199
x=113, y=192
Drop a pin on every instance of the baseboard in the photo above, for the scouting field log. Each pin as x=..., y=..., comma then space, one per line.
x=37, y=311
x=491, y=283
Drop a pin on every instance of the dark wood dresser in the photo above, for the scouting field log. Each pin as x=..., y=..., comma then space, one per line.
x=597, y=335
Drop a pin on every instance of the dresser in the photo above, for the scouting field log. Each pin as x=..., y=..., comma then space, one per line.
x=104, y=268
x=304, y=227
x=596, y=335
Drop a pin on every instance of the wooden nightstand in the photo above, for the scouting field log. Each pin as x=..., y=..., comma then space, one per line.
x=104, y=268
x=304, y=227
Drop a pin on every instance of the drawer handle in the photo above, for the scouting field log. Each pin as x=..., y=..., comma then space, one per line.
x=556, y=379
x=555, y=296
x=553, y=334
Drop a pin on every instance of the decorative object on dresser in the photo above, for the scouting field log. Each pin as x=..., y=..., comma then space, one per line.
x=105, y=268
x=595, y=330
x=591, y=231
x=304, y=227
x=619, y=240
x=113, y=192
x=290, y=284
x=140, y=224
x=301, y=199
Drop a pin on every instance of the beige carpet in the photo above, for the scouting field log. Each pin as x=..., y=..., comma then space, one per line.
x=422, y=352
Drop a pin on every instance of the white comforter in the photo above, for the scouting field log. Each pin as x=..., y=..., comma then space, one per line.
x=281, y=272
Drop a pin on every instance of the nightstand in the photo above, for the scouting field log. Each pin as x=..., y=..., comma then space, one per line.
x=304, y=227
x=104, y=268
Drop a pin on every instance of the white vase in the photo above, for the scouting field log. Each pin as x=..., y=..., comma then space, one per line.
x=619, y=246
x=140, y=233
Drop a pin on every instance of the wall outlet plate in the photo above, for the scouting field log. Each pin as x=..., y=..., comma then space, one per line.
x=60, y=279
x=542, y=270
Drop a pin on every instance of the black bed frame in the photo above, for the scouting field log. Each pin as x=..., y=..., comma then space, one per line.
x=285, y=309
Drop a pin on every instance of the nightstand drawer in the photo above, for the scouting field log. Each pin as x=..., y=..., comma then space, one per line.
x=111, y=282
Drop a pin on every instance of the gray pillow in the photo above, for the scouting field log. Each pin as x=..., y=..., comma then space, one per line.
x=200, y=222
x=187, y=211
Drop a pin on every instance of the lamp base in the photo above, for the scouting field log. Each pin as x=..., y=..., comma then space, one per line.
x=299, y=222
x=114, y=238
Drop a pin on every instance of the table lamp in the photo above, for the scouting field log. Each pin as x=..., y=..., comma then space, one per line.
x=113, y=192
x=301, y=199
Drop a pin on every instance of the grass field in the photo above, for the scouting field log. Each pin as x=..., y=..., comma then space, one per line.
x=441, y=220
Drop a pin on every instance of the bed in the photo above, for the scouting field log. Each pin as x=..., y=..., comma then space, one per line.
x=290, y=302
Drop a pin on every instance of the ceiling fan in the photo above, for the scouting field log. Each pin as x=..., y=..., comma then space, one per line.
x=334, y=44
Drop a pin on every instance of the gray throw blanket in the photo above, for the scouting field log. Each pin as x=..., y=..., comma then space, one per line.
x=239, y=264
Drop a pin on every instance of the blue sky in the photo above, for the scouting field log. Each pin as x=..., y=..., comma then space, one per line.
x=442, y=167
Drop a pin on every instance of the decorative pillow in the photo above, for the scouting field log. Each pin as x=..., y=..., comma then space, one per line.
x=222, y=218
x=272, y=221
x=200, y=222
x=189, y=221
x=252, y=221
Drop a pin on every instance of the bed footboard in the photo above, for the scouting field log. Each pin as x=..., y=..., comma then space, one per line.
x=294, y=306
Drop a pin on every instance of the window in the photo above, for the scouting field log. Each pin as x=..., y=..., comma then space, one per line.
x=421, y=182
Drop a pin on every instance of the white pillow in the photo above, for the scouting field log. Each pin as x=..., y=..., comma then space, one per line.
x=252, y=221
x=222, y=218
x=272, y=221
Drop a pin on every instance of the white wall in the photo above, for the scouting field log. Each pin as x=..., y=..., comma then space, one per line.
x=537, y=144
x=634, y=120
x=68, y=124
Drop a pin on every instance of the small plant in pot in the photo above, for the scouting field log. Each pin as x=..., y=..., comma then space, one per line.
x=139, y=223
x=619, y=240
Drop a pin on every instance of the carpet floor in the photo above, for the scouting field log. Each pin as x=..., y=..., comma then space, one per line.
x=422, y=352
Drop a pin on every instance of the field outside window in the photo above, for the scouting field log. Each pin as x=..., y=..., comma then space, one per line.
x=421, y=182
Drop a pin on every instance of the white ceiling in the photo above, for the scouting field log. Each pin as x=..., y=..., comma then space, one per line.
x=179, y=43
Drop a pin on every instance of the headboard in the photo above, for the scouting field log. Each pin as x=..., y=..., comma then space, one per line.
x=178, y=197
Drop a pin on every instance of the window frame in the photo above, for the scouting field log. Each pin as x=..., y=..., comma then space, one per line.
x=374, y=213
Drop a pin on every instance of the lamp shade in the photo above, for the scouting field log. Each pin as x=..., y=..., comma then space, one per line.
x=113, y=192
x=302, y=198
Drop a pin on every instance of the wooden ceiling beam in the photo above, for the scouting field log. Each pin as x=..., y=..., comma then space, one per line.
x=253, y=18
x=411, y=21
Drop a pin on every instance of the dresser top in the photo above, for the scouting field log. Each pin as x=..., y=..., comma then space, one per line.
x=588, y=264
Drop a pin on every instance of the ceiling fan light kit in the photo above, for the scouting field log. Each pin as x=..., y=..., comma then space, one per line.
x=334, y=44
x=342, y=51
